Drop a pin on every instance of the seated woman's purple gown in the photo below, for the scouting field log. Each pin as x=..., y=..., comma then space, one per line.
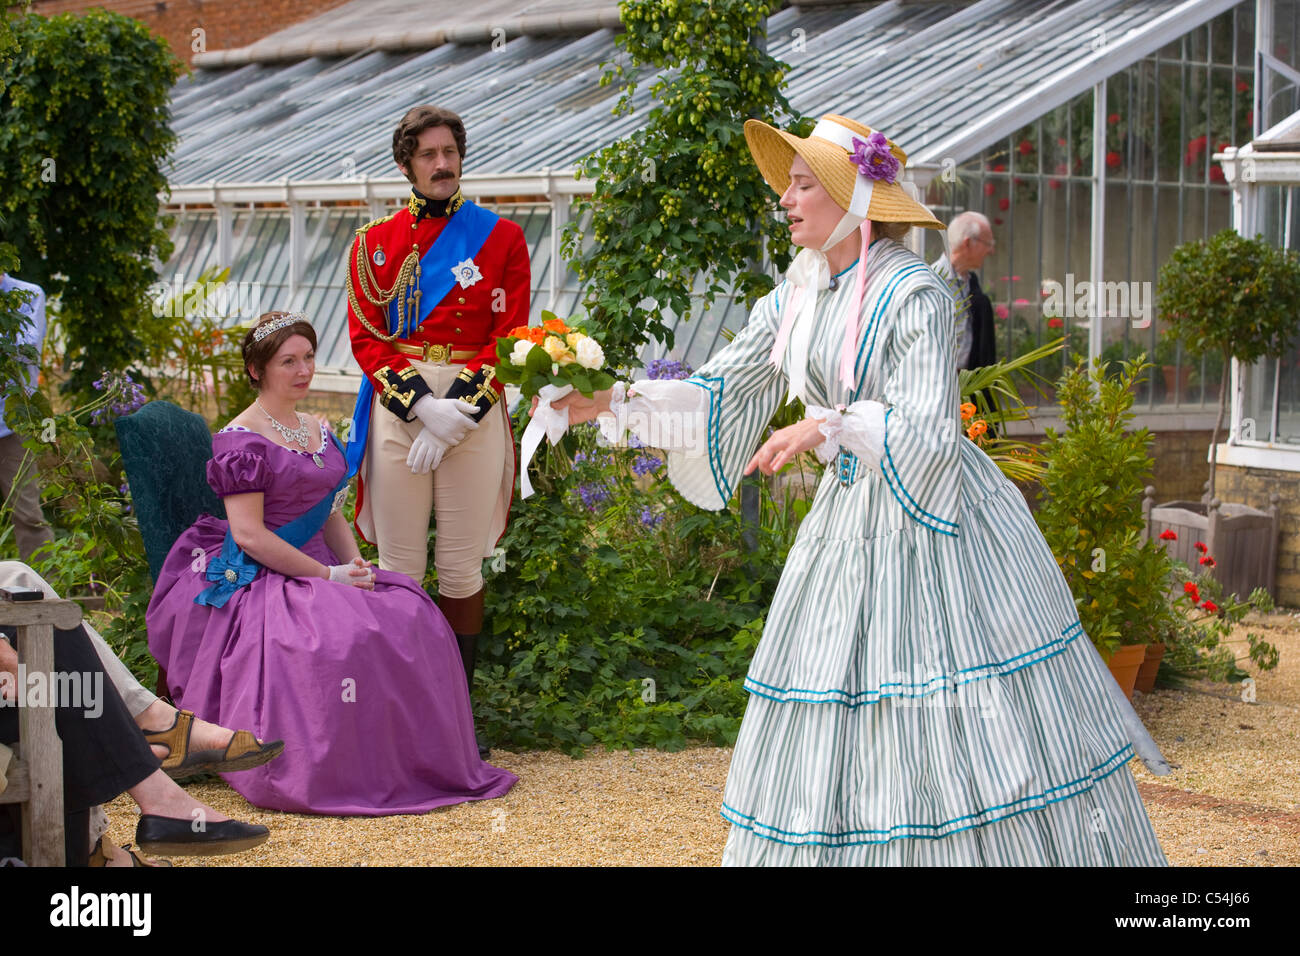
x=366, y=688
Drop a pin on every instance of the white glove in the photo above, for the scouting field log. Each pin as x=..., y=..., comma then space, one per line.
x=358, y=574
x=448, y=419
x=426, y=453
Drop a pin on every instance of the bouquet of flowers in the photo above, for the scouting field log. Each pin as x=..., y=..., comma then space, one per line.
x=549, y=361
x=553, y=353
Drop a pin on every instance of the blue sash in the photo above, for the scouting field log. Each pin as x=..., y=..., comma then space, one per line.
x=234, y=569
x=460, y=239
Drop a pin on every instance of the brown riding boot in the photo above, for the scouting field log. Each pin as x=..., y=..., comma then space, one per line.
x=465, y=615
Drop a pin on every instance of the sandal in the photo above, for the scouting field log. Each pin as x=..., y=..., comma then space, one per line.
x=242, y=753
x=100, y=855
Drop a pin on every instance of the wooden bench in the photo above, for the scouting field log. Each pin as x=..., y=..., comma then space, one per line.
x=36, y=773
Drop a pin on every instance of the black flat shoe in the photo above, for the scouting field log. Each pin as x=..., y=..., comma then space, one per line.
x=166, y=836
x=484, y=748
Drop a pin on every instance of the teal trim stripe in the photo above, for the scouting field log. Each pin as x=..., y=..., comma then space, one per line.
x=1079, y=786
x=889, y=459
x=886, y=298
x=715, y=424
x=950, y=682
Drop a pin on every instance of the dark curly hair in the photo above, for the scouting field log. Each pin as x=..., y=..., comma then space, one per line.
x=258, y=354
x=415, y=122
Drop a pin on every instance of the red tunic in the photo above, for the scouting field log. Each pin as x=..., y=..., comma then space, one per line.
x=467, y=319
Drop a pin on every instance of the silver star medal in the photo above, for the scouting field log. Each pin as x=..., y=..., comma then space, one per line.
x=466, y=273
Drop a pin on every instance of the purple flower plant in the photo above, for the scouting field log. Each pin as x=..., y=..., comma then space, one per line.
x=644, y=464
x=592, y=494
x=649, y=519
x=874, y=159
x=668, y=368
x=130, y=396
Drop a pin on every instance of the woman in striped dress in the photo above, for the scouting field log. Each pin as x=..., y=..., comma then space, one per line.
x=923, y=693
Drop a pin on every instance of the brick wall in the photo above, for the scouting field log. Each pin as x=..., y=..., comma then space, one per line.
x=1253, y=486
x=226, y=24
x=1182, y=465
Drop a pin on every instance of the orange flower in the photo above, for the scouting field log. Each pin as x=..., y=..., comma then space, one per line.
x=967, y=411
x=519, y=332
x=555, y=325
x=536, y=334
x=976, y=429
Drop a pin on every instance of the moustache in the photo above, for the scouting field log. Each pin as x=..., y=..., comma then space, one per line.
x=443, y=174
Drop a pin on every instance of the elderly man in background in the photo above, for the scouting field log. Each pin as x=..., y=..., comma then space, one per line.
x=970, y=241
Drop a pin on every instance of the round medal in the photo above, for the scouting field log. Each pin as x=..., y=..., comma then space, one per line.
x=379, y=256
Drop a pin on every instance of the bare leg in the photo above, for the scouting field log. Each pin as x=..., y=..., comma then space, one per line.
x=160, y=715
x=158, y=795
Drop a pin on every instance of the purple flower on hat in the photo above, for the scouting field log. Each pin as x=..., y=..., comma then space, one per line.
x=873, y=158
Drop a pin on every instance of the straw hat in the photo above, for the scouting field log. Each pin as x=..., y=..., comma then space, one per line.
x=828, y=150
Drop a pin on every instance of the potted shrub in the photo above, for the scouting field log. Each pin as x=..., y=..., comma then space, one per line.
x=1231, y=297
x=1090, y=512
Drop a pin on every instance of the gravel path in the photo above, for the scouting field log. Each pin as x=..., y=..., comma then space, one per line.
x=1233, y=801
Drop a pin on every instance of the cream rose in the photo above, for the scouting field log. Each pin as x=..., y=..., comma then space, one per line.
x=557, y=350
x=590, y=354
x=520, y=354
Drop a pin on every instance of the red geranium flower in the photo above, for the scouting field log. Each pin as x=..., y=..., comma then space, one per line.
x=1112, y=119
x=1242, y=86
x=1055, y=323
x=1200, y=546
x=1053, y=184
x=988, y=189
x=1208, y=561
x=1190, y=589
x=1000, y=168
x=1026, y=147
x=1004, y=203
x=1210, y=606
x=1113, y=159
x=1168, y=535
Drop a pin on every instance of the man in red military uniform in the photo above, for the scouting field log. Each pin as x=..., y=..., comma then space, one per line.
x=430, y=289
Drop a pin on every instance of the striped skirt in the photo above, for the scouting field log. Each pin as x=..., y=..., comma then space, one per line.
x=927, y=699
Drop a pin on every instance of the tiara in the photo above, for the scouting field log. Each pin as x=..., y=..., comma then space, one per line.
x=284, y=321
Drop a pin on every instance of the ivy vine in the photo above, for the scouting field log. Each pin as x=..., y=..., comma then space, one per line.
x=86, y=131
x=680, y=197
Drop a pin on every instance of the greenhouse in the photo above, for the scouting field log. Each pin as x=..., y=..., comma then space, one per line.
x=1087, y=132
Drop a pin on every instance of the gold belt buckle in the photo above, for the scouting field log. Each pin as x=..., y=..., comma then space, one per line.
x=438, y=354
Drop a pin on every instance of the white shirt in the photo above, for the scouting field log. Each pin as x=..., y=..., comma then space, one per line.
x=33, y=333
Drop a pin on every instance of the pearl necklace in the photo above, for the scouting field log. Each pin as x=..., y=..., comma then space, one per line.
x=301, y=434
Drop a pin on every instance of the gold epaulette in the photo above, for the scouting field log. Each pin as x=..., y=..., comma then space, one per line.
x=374, y=222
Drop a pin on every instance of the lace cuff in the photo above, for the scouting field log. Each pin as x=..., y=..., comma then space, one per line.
x=859, y=428
x=669, y=414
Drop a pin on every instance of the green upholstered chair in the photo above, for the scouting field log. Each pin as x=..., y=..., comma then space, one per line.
x=165, y=451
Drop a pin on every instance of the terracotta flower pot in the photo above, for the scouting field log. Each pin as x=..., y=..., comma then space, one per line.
x=1124, y=665
x=1177, y=379
x=1146, y=677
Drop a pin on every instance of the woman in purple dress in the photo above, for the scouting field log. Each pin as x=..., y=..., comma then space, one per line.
x=283, y=627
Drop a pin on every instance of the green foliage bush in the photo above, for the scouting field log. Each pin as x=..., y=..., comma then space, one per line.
x=623, y=616
x=1090, y=510
x=84, y=99
x=680, y=197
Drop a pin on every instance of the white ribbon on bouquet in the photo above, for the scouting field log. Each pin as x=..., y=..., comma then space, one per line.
x=546, y=421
